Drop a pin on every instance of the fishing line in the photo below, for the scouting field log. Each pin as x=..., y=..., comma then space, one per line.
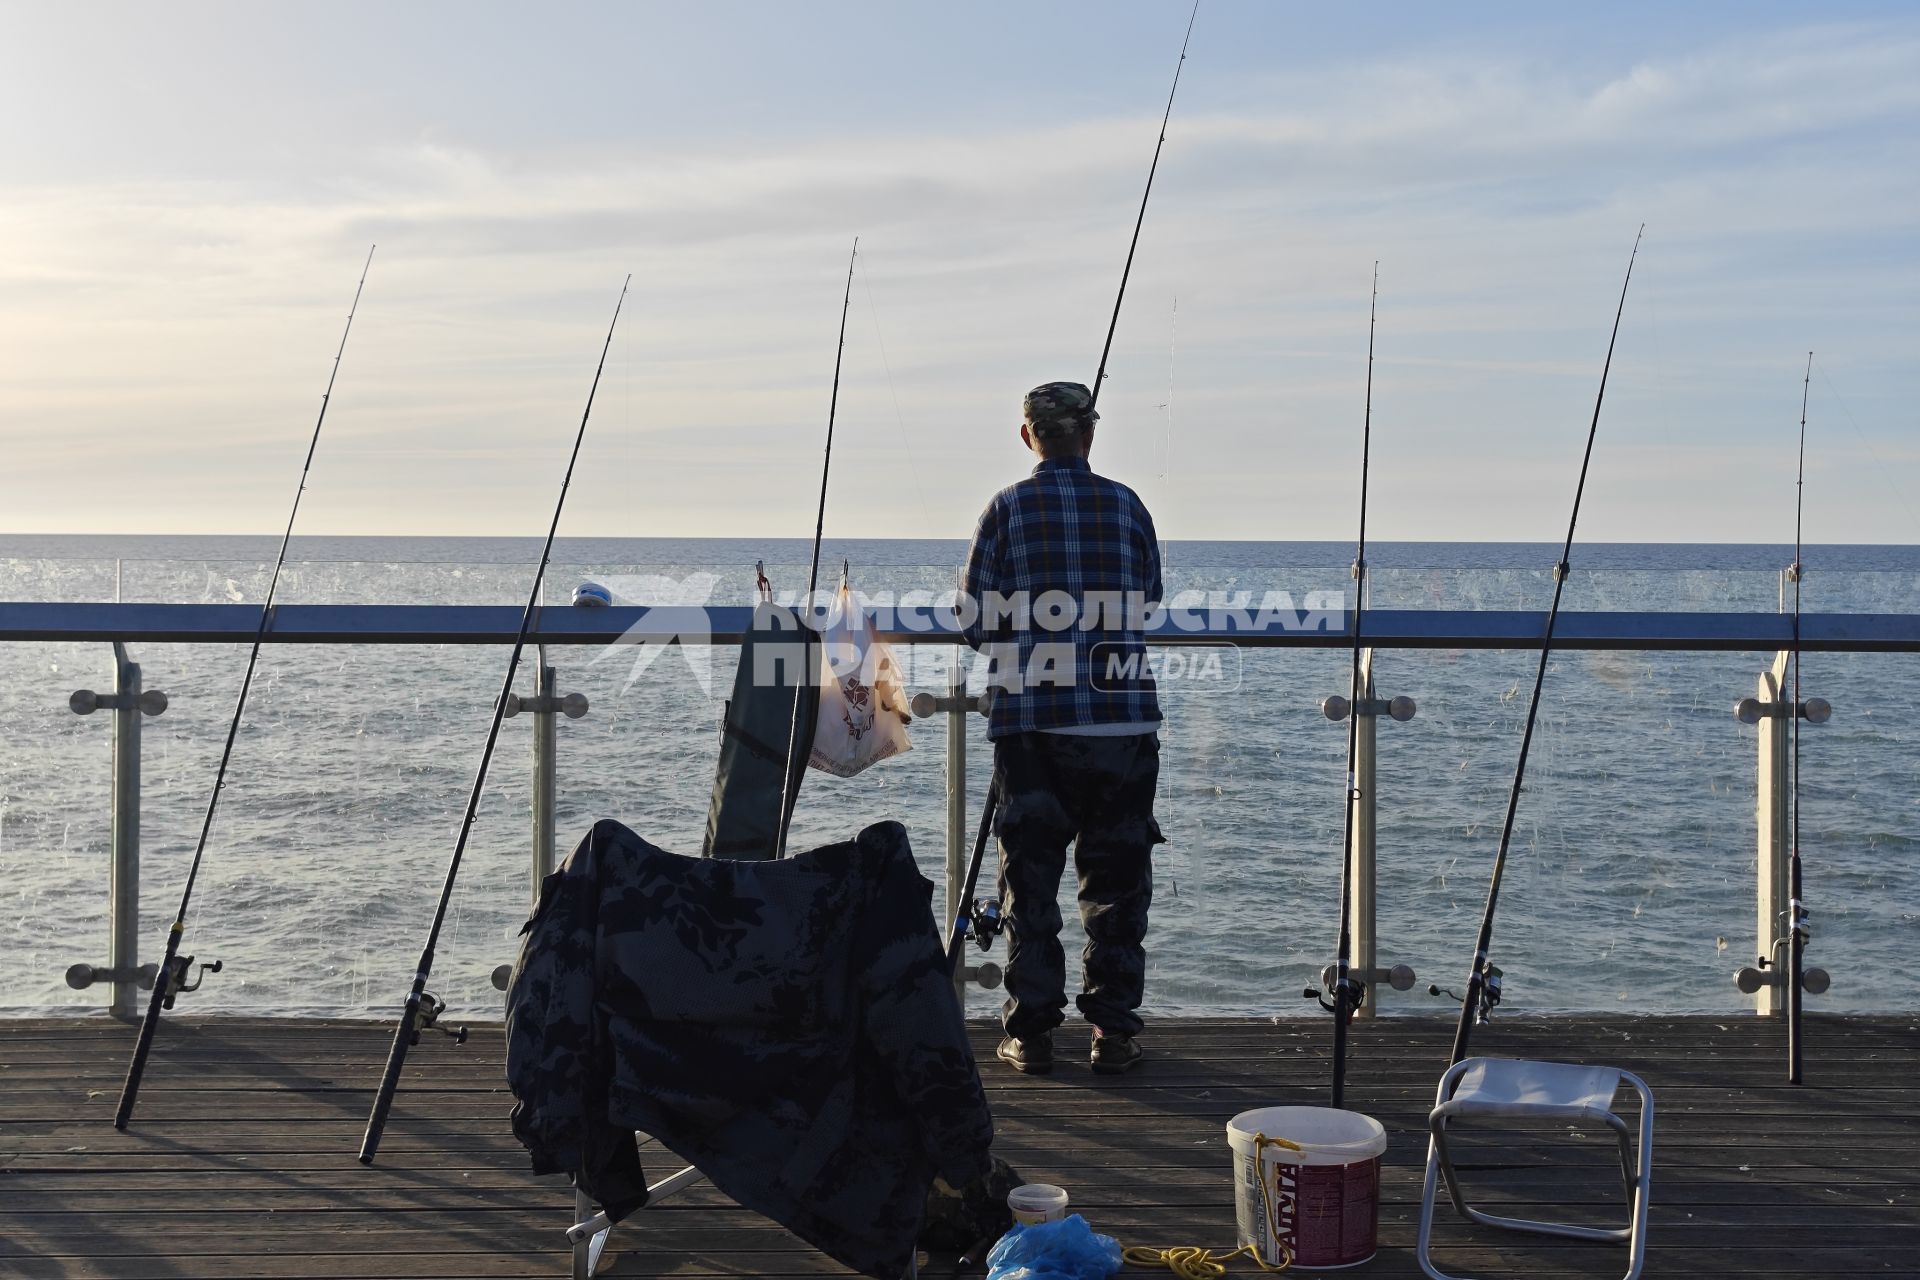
x=1479, y=984
x=899, y=418
x=1173, y=345
x=404, y=1034
x=170, y=979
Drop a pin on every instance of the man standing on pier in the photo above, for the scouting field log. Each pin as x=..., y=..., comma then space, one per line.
x=1061, y=571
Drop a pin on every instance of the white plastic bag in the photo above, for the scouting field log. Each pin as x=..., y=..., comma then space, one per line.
x=863, y=706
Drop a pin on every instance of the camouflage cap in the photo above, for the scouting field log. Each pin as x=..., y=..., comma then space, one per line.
x=1055, y=409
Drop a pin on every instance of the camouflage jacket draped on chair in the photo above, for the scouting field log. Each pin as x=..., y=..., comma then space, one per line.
x=788, y=1027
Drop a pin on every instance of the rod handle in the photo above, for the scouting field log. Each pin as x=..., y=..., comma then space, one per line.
x=1342, y=1013
x=390, y=1082
x=1463, y=1031
x=957, y=940
x=137, y=1068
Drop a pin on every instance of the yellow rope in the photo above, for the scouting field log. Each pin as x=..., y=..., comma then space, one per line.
x=1192, y=1262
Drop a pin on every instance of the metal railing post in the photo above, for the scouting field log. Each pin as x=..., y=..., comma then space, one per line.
x=1772, y=710
x=955, y=705
x=1773, y=795
x=123, y=928
x=1364, y=959
x=545, y=706
x=129, y=705
x=546, y=747
x=957, y=799
x=1362, y=920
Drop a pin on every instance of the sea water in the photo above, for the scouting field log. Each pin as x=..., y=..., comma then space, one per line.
x=1630, y=886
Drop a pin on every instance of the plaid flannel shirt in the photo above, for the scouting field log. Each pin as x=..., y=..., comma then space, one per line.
x=1064, y=530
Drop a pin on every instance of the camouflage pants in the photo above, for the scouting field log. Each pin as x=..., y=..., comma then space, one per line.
x=1097, y=794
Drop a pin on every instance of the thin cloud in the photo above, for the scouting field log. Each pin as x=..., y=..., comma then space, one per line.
x=179, y=327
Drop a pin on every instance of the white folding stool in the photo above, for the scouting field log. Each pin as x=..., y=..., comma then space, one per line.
x=1514, y=1088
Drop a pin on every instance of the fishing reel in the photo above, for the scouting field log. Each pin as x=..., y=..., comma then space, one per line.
x=428, y=1019
x=1489, y=994
x=174, y=980
x=1356, y=989
x=1400, y=977
x=984, y=922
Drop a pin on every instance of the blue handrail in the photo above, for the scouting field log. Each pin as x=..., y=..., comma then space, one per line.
x=724, y=625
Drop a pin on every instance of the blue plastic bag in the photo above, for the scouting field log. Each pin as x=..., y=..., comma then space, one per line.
x=1064, y=1250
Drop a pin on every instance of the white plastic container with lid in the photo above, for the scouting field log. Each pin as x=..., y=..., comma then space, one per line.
x=1038, y=1202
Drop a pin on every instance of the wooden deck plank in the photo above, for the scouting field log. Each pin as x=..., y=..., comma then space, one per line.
x=240, y=1162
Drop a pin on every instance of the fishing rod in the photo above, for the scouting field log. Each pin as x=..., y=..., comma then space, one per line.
x=171, y=977
x=1483, y=988
x=1797, y=913
x=410, y=1016
x=1345, y=998
x=787, y=776
x=984, y=919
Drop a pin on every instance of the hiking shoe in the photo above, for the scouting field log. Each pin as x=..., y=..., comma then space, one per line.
x=1113, y=1054
x=1033, y=1056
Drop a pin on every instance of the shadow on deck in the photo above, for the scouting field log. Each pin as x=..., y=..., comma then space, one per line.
x=241, y=1159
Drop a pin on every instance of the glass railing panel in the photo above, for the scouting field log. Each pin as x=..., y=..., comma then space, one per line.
x=1631, y=877
x=1250, y=805
x=1633, y=860
x=55, y=579
x=1628, y=842
x=1860, y=828
x=55, y=824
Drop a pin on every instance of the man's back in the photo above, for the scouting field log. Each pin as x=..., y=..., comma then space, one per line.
x=1064, y=564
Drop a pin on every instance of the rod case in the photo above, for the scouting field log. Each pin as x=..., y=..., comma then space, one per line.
x=779, y=664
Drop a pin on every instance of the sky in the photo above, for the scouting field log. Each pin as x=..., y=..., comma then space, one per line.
x=188, y=191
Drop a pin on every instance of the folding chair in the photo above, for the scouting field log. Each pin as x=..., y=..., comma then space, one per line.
x=589, y=1235
x=1516, y=1089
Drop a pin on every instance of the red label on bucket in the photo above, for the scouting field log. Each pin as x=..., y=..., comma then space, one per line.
x=1327, y=1215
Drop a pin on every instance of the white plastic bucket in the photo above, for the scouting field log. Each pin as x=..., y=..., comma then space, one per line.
x=1037, y=1202
x=1322, y=1202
